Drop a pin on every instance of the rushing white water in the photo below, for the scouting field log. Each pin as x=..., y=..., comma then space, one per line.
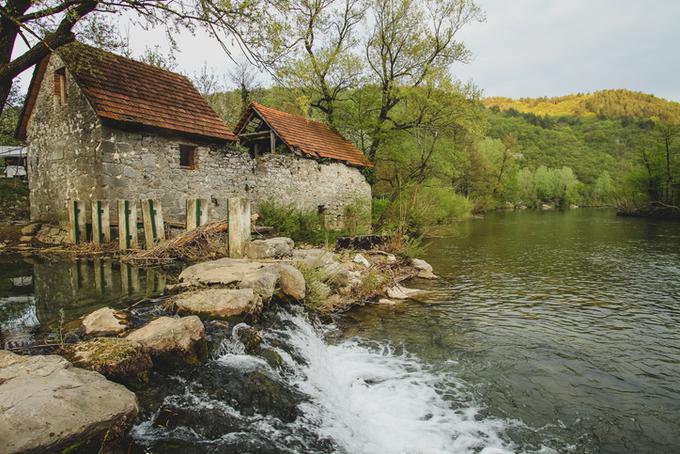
x=375, y=401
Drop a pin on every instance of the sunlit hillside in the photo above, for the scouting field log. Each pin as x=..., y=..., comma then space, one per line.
x=613, y=104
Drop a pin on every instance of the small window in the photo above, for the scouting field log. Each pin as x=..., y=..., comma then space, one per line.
x=187, y=157
x=60, y=87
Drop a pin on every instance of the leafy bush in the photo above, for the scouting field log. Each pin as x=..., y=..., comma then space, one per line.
x=418, y=208
x=305, y=226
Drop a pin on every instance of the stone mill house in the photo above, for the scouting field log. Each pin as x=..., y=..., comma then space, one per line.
x=103, y=127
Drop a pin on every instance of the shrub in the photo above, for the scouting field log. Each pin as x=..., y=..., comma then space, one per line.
x=306, y=226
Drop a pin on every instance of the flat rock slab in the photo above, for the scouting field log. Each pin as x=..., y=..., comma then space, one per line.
x=243, y=274
x=173, y=339
x=47, y=405
x=399, y=292
x=314, y=258
x=219, y=302
x=104, y=321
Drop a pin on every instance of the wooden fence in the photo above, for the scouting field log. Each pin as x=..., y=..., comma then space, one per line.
x=153, y=225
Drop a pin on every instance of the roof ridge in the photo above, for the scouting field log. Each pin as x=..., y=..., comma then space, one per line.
x=59, y=51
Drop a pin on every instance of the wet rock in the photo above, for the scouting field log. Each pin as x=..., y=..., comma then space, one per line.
x=424, y=269
x=361, y=260
x=58, y=406
x=219, y=303
x=121, y=360
x=252, y=392
x=173, y=339
x=270, y=248
x=104, y=321
x=399, y=292
x=291, y=282
x=250, y=338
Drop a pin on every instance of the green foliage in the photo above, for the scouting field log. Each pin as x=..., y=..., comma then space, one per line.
x=318, y=282
x=305, y=226
x=13, y=198
x=416, y=208
x=559, y=187
x=357, y=217
x=606, y=104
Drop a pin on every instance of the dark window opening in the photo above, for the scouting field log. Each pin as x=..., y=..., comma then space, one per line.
x=60, y=87
x=187, y=157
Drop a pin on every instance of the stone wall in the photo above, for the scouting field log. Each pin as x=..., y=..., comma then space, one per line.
x=64, y=153
x=74, y=155
x=138, y=165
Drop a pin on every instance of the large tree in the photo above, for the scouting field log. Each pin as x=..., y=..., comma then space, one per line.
x=410, y=42
x=322, y=62
x=42, y=26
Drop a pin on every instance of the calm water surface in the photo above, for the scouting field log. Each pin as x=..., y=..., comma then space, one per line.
x=568, y=323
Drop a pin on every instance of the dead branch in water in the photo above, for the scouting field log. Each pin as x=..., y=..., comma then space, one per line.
x=208, y=241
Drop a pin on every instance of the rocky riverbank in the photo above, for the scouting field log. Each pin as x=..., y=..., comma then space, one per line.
x=107, y=353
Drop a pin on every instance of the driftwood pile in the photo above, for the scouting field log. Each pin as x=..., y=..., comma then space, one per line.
x=209, y=241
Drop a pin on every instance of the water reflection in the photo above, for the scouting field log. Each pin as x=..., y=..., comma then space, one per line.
x=34, y=290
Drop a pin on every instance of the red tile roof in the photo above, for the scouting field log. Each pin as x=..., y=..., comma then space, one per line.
x=134, y=93
x=312, y=138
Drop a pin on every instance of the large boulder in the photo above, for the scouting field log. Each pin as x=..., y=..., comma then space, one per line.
x=262, y=278
x=47, y=405
x=119, y=359
x=104, y=321
x=270, y=248
x=291, y=282
x=219, y=302
x=173, y=340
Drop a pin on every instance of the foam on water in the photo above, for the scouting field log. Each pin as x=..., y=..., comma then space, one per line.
x=375, y=401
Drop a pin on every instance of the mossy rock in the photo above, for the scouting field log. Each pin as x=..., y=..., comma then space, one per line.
x=121, y=360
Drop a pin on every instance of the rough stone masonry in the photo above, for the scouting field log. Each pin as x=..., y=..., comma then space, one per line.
x=76, y=155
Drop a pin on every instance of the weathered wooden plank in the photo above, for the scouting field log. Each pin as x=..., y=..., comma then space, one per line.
x=152, y=216
x=101, y=222
x=77, y=222
x=127, y=225
x=197, y=213
x=239, y=226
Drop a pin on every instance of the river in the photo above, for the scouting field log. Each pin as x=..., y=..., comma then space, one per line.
x=547, y=332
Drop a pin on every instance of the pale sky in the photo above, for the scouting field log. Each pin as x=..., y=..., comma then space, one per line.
x=534, y=48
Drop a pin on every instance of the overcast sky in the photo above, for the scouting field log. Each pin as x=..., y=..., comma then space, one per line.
x=536, y=47
x=556, y=47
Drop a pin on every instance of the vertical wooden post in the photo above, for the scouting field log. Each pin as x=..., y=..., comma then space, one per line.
x=127, y=224
x=239, y=226
x=152, y=215
x=101, y=222
x=272, y=141
x=77, y=223
x=197, y=213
